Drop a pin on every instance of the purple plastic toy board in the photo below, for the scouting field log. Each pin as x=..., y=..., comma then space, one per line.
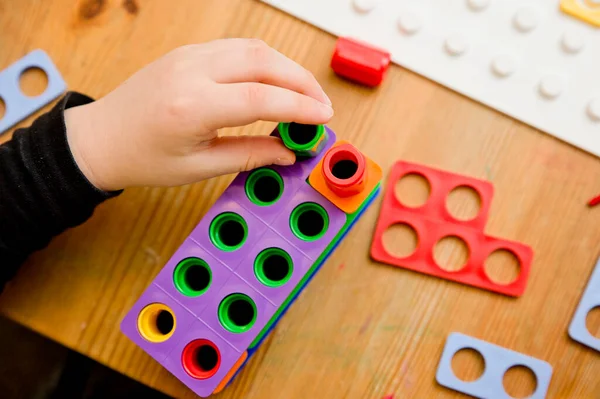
x=199, y=318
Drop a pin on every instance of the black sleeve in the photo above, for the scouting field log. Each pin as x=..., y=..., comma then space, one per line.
x=42, y=190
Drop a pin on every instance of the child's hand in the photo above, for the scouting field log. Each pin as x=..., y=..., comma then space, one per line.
x=160, y=126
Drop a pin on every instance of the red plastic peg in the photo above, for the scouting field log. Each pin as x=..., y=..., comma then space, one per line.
x=360, y=62
x=345, y=169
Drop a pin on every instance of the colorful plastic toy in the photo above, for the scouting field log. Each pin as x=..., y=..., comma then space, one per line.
x=590, y=300
x=586, y=10
x=497, y=361
x=18, y=105
x=360, y=62
x=250, y=256
x=432, y=222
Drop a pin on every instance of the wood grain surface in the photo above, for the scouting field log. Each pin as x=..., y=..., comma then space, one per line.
x=361, y=329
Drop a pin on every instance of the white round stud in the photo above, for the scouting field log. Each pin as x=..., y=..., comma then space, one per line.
x=593, y=110
x=525, y=19
x=504, y=65
x=478, y=5
x=409, y=23
x=572, y=42
x=456, y=45
x=551, y=86
x=365, y=6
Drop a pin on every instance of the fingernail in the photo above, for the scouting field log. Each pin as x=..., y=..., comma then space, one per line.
x=327, y=110
x=327, y=100
x=284, y=162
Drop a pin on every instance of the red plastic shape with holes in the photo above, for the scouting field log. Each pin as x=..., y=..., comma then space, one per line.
x=360, y=62
x=432, y=222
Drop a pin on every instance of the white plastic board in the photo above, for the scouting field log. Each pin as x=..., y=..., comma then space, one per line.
x=524, y=58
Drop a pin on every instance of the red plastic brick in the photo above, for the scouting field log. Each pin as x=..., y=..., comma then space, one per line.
x=360, y=62
x=432, y=222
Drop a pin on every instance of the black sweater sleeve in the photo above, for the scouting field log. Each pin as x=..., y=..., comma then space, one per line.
x=42, y=190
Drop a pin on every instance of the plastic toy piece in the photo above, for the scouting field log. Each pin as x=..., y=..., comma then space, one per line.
x=429, y=233
x=420, y=36
x=432, y=222
x=18, y=105
x=345, y=176
x=239, y=270
x=594, y=201
x=591, y=299
x=360, y=62
x=586, y=10
x=441, y=184
x=304, y=140
x=171, y=323
x=497, y=361
x=344, y=169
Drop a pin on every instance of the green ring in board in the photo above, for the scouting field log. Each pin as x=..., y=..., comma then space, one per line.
x=259, y=265
x=284, y=132
x=180, y=276
x=225, y=318
x=216, y=234
x=254, y=178
x=297, y=214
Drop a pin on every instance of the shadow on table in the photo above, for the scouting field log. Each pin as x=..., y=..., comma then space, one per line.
x=33, y=367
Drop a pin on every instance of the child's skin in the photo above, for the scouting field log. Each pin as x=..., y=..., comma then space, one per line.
x=158, y=128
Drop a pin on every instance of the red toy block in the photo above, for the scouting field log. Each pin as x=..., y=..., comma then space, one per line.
x=360, y=62
x=594, y=201
x=432, y=222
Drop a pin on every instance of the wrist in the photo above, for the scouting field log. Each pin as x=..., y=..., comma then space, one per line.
x=80, y=131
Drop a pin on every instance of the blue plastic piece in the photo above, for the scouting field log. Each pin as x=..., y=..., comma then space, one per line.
x=497, y=361
x=18, y=105
x=590, y=300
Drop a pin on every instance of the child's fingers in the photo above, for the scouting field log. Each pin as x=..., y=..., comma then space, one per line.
x=240, y=104
x=234, y=154
x=255, y=61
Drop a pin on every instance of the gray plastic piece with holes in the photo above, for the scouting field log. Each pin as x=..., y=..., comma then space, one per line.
x=591, y=299
x=19, y=106
x=497, y=361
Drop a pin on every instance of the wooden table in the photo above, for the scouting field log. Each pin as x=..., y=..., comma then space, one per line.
x=361, y=329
